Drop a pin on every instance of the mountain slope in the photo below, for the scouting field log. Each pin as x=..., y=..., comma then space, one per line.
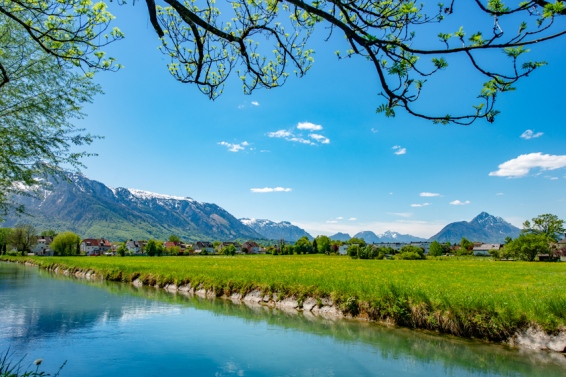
x=483, y=228
x=340, y=237
x=276, y=231
x=91, y=209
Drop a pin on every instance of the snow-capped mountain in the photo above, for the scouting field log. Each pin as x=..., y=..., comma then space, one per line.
x=388, y=236
x=276, y=231
x=91, y=209
x=483, y=228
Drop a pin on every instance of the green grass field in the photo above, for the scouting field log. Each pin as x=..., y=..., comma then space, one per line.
x=473, y=297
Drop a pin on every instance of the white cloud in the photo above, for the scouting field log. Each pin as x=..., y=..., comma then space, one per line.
x=332, y=222
x=520, y=166
x=352, y=219
x=255, y=103
x=429, y=194
x=309, y=126
x=270, y=189
x=374, y=131
x=530, y=134
x=279, y=134
x=500, y=194
x=315, y=138
x=459, y=203
x=552, y=178
x=339, y=218
x=399, y=150
x=320, y=138
x=234, y=147
x=420, y=205
x=301, y=140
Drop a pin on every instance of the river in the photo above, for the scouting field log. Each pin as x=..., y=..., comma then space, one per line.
x=112, y=329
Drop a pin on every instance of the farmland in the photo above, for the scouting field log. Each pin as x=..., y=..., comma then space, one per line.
x=471, y=297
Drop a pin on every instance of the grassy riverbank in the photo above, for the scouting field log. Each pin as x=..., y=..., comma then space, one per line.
x=479, y=298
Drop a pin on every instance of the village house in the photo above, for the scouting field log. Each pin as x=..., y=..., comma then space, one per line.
x=250, y=247
x=93, y=246
x=483, y=249
x=201, y=246
x=42, y=246
x=134, y=247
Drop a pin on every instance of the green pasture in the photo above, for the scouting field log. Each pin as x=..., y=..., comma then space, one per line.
x=472, y=297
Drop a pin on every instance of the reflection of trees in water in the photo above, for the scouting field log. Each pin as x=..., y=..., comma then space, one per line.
x=62, y=307
x=41, y=307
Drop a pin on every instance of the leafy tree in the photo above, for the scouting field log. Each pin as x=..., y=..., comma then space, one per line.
x=159, y=248
x=358, y=241
x=547, y=224
x=410, y=252
x=48, y=233
x=229, y=250
x=527, y=246
x=23, y=237
x=314, y=246
x=38, y=99
x=392, y=36
x=324, y=244
x=466, y=247
x=435, y=249
x=122, y=249
x=172, y=250
x=151, y=248
x=303, y=246
x=66, y=243
x=174, y=238
x=5, y=236
x=353, y=250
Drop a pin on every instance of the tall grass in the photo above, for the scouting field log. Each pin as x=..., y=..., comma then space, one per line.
x=479, y=298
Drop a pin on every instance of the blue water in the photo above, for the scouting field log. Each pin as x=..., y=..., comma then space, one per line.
x=108, y=329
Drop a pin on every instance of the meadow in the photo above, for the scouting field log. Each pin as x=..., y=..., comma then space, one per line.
x=472, y=297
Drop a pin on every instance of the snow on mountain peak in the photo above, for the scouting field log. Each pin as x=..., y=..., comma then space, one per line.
x=152, y=195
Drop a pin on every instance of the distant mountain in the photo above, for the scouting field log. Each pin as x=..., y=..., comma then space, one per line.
x=388, y=236
x=91, y=209
x=483, y=228
x=340, y=237
x=276, y=231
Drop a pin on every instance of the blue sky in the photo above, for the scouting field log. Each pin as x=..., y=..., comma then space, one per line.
x=314, y=152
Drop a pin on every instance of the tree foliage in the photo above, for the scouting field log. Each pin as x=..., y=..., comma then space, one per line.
x=526, y=247
x=23, y=237
x=263, y=42
x=66, y=243
x=38, y=100
x=5, y=235
x=303, y=246
x=323, y=244
x=549, y=225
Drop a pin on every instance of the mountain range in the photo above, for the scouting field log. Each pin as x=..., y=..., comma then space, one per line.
x=484, y=227
x=388, y=236
x=271, y=230
x=93, y=210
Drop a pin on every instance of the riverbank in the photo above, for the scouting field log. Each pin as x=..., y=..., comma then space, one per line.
x=522, y=304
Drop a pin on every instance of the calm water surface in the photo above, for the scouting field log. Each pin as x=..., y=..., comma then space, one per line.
x=107, y=329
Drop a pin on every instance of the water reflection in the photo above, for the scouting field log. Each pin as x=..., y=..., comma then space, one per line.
x=154, y=332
